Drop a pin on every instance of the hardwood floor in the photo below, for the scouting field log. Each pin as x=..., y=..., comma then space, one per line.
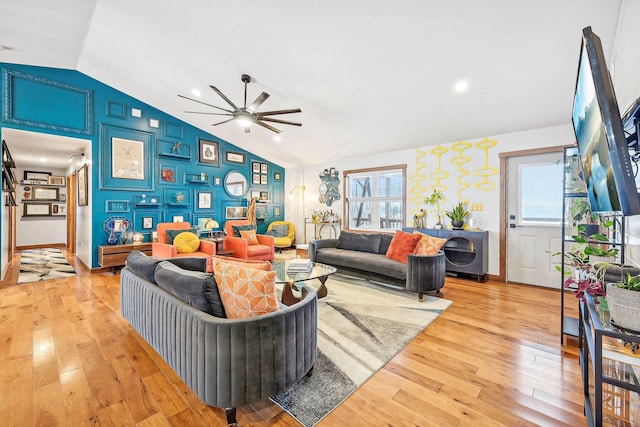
x=67, y=357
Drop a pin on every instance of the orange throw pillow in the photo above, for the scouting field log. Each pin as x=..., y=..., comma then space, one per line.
x=402, y=245
x=246, y=292
x=250, y=235
x=428, y=245
x=250, y=263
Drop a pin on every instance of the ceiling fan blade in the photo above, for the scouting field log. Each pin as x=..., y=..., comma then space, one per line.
x=258, y=102
x=213, y=114
x=273, y=113
x=271, y=128
x=284, y=122
x=223, y=96
x=204, y=103
x=225, y=121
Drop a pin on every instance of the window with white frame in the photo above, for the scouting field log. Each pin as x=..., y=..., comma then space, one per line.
x=375, y=198
x=540, y=191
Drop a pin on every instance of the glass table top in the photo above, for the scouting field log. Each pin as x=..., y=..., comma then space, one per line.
x=318, y=270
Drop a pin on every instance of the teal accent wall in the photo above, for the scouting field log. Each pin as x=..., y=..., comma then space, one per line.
x=69, y=103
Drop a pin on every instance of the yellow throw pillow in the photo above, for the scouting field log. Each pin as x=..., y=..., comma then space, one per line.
x=186, y=243
x=249, y=235
x=428, y=245
x=246, y=292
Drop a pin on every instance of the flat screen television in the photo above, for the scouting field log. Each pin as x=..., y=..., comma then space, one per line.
x=604, y=154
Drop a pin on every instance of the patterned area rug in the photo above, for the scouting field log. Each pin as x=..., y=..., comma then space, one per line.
x=361, y=326
x=43, y=264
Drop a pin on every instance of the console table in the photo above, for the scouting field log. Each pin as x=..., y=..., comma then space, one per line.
x=115, y=255
x=334, y=228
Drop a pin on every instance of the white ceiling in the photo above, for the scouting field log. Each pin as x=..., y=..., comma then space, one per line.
x=368, y=78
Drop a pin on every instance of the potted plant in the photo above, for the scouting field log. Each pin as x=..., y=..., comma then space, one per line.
x=434, y=199
x=623, y=301
x=457, y=214
x=581, y=211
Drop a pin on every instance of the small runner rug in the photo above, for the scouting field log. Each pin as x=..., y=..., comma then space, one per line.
x=361, y=326
x=43, y=264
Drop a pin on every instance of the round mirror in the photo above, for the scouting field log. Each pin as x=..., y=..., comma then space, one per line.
x=235, y=184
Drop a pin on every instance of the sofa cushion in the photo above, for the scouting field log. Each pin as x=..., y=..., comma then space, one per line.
x=376, y=264
x=428, y=245
x=385, y=241
x=246, y=292
x=197, y=289
x=281, y=229
x=142, y=265
x=402, y=245
x=359, y=242
x=249, y=236
x=186, y=242
x=171, y=234
x=238, y=228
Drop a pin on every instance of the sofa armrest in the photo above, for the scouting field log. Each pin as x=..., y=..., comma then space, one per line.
x=265, y=239
x=238, y=245
x=163, y=250
x=425, y=273
x=208, y=247
x=316, y=245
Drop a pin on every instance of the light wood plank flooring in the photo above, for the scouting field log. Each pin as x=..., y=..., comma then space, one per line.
x=68, y=358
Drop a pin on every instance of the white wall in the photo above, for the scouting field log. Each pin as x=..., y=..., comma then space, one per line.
x=83, y=213
x=420, y=180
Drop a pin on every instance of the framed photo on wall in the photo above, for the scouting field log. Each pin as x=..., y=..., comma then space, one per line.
x=209, y=152
x=83, y=186
x=233, y=157
x=255, y=167
x=126, y=159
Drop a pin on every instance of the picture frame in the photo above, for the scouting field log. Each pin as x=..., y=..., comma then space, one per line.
x=276, y=211
x=255, y=178
x=255, y=193
x=234, y=157
x=236, y=212
x=205, y=199
x=127, y=159
x=45, y=193
x=37, y=209
x=277, y=176
x=255, y=167
x=208, y=152
x=264, y=196
x=177, y=218
x=36, y=176
x=57, y=180
x=264, y=179
x=261, y=212
x=147, y=222
x=83, y=185
x=264, y=168
x=216, y=180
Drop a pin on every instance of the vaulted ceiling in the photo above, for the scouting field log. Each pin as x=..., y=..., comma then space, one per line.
x=369, y=77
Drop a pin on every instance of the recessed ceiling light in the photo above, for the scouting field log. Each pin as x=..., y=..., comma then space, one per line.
x=43, y=160
x=461, y=86
x=277, y=138
x=196, y=93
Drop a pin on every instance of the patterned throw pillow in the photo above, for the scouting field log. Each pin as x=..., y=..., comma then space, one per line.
x=250, y=263
x=238, y=228
x=428, y=245
x=246, y=292
x=402, y=245
x=186, y=242
x=249, y=235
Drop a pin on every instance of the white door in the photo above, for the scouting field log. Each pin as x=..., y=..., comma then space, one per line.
x=534, y=215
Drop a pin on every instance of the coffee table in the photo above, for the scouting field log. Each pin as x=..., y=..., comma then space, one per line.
x=319, y=271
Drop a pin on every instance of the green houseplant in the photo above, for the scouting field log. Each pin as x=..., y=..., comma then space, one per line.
x=457, y=215
x=434, y=200
x=580, y=210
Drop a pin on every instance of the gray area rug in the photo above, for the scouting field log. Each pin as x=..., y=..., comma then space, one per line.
x=361, y=326
x=43, y=264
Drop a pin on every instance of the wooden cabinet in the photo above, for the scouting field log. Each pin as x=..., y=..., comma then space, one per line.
x=116, y=255
x=466, y=252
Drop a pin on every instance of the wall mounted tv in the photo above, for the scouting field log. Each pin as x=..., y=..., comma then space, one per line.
x=606, y=164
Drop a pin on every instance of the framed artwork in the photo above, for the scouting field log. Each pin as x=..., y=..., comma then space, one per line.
x=236, y=212
x=125, y=159
x=276, y=211
x=204, y=199
x=216, y=180
x=261, y=212
x=264, y=180
x=37, y=176
x=57, y=180
x=209, y=152
x=83, y=186
x=177, y=218
x=45, y=193
x=277, y=176
x=255, y=167
x=233, y=157
x=37, y=209
x=116, y=206
x=264, y=168
x=256, y=178
x=264, y=196
x=147, y=222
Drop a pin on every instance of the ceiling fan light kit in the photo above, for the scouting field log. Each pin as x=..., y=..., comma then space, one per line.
x=246, y=116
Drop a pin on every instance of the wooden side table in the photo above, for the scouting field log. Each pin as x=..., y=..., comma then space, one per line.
x=115, y=255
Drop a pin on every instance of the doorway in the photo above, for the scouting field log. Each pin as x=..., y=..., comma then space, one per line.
x=531, y=211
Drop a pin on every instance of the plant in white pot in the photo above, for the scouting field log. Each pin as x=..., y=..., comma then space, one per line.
x=623, y=301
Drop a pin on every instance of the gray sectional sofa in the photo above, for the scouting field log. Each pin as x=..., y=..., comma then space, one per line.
x=226, y=362
x=364, y=255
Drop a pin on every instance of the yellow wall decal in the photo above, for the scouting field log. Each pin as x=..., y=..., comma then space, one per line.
x=439, y=174
x=459, y=160
x=417, y=189
x=486, y=171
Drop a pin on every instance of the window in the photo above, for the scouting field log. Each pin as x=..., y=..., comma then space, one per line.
x=375, y=198
x=540, y=191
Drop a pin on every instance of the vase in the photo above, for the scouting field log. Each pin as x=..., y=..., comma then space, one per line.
x=112, y=239
x=624, y=307
x=457, y=225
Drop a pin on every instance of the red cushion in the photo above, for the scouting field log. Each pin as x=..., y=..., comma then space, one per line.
x=402, y=245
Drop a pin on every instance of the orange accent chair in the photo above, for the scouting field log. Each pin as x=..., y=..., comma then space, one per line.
x=241, y=248
x=162, y=249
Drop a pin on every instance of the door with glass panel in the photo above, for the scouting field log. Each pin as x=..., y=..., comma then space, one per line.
x=534, y=215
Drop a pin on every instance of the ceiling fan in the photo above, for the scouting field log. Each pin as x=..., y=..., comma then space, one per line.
x=246, y=115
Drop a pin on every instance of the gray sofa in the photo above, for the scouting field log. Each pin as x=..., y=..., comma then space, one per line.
x=364, y=255
x=226, y=362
